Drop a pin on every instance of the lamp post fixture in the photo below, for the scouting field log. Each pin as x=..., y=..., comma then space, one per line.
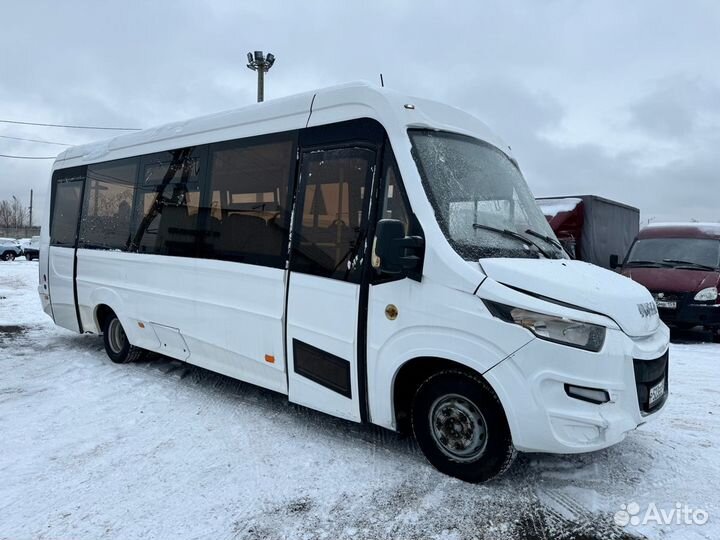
x=260, y=63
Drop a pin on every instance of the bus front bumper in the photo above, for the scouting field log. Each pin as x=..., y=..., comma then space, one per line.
x=544, y=386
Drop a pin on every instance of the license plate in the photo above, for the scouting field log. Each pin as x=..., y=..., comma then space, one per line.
x=667, y=304
x=657, y=391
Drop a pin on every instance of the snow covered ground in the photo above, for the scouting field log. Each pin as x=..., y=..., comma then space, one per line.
x=90, y=449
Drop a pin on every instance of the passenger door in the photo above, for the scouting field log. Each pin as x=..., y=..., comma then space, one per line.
x=327, y=265
x=66, y=197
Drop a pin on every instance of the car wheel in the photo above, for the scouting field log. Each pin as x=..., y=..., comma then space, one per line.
x=117, y=345
x=8, y=256
x=461, y=428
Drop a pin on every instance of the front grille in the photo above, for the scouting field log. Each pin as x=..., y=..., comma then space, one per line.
x=671, y=315
x=648, y=373
x=668, y=315
x=666, y=296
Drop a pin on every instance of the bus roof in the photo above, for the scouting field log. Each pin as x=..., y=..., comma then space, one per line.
x=681, y=230
x=396, y=111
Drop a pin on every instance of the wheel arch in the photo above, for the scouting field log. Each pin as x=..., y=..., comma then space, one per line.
x=408, y=378
x=430, y=348
x=101, y=314
x=95, y=305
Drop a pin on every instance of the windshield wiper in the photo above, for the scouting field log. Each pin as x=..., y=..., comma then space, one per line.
x=512, y=234
x=689, y=263
x=548, y=239
x=651, y=264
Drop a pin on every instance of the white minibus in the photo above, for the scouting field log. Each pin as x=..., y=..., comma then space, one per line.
x=373, y=256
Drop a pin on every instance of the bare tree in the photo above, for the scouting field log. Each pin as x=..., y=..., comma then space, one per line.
x=21, y=213
x=13, y=214
x=5, y=214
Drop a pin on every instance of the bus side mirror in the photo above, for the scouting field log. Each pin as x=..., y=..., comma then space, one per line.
x=391, y=246
x=614, y=262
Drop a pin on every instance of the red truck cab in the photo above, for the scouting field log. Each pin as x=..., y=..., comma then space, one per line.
x=679, y=263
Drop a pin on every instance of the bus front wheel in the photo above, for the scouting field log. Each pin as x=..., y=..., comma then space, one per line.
x=117, y=345
x=461, y=428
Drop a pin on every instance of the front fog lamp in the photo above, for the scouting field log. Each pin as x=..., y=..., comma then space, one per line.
x=552, y=328
x=591, y=395
x=707, y=295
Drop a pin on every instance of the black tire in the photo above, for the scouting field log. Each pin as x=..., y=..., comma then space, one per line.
x=117, y=345
x=8, y=256
x=449, y=402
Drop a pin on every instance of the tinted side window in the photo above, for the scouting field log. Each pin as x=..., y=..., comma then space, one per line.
x=393, y=204
x=107, y=209
x=67, y=188
x=248, y=196
x=332, y=215
x=167, y=203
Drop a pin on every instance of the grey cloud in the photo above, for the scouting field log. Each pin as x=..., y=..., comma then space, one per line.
x=524, y=67
x=676, y=107
x=510, y=107
x=676, y=190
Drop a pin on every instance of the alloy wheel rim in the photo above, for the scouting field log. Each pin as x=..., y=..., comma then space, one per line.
x=458, y=428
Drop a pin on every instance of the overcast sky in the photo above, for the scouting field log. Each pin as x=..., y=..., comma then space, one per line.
x=619, y=99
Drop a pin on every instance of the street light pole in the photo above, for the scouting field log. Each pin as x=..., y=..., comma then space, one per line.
x=262, y=64
x=261, y=85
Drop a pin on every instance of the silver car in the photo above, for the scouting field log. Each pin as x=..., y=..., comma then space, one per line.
x=9, y=249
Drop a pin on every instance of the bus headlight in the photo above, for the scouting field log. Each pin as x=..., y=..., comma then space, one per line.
x=582, y=335
x=707, y=295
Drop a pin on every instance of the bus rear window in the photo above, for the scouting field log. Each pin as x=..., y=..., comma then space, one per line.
x=67, y=193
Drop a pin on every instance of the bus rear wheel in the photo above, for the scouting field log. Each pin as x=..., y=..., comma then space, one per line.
x=461, y=428
x=117, y=345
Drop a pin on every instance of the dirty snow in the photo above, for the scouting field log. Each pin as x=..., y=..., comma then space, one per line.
x=90, y=449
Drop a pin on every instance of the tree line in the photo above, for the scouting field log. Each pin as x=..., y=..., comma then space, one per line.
x=13, y=214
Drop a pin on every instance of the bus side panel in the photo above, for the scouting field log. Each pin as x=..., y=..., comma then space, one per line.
x=229, y=314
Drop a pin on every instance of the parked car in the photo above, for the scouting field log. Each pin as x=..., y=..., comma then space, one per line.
x=9, y=249
x=680, y=264
x=591, y=228
x=32, y=249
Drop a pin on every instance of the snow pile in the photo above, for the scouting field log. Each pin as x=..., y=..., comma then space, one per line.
x=552, y=207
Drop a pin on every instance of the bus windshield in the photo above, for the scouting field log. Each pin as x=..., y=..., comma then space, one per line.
x=481, y=200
